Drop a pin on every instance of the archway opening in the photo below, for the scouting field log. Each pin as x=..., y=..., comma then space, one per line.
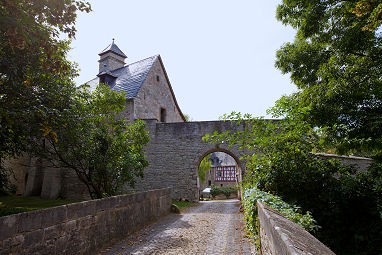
x=219, y=174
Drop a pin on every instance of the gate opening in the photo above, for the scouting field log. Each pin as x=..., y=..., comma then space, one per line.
x=218, y=169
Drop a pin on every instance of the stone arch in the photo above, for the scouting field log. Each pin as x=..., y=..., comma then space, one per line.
x=240, y=163
x=175, y=151
x=218, y=149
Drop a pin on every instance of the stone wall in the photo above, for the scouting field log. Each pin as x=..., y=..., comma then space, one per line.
x=19, y=175
x=358, y=162
x=175, y=151
x=81, y=228
x=156, y=94
x=282, y=236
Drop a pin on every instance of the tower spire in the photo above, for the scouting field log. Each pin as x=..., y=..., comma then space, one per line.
x=111, y=58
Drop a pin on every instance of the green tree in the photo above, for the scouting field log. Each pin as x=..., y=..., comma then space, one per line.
x=335, y=61
x=204, y=166
x=345, y=203
x=35, y=77
x=93, y=139
x=42, y=112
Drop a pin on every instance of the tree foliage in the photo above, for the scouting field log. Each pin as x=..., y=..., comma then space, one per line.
x=205, y=165
x=345, y=203
x=35, y=77
x=94, y=140
x=335, y=61
x=42, y=112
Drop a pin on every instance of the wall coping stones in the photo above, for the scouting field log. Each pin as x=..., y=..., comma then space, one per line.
x=81, y=228
x=283, y=236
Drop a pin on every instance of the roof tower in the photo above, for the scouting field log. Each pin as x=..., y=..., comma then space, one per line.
x=111, y=58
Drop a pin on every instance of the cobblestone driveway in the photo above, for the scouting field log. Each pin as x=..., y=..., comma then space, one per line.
x=211, y=227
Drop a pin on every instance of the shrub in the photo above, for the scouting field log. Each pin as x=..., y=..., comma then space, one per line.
x=227, y=191
x=291, y=212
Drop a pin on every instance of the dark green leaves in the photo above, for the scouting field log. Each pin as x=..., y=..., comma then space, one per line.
x=94, y=140
x=335, y=62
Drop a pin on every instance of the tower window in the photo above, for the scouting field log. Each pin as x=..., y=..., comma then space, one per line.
x=162, y=114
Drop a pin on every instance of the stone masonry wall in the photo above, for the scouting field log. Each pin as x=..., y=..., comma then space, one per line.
x=282, y=236
x=358, y=162
x=81, y=228
x=156, y=94
x=175, y=151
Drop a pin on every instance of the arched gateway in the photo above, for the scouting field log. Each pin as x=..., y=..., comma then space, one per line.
x=175, y=151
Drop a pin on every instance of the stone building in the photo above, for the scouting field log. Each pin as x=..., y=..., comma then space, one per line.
x=149, y=96
x=148, y=90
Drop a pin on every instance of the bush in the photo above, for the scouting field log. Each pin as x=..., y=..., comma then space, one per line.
x=346, y=204
x=227, y=191
x=291, y=212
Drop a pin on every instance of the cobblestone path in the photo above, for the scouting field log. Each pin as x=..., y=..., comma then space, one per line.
x=211, y=227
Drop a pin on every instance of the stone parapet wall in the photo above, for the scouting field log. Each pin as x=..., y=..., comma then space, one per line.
x=81, y=228
x=361, y=163
x=282, y=236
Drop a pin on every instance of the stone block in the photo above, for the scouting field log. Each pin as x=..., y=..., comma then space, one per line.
x=33, y=238
x=52, y=232
x=81, y=209
x=102, y=204
x=70, y=226
x=62, y=243
x=101, y=218
x=126, y=200
x=53, y=216
x=8, y=226
x=139, y=197
x=6, y=244
x=29, y=221
x=85, y=223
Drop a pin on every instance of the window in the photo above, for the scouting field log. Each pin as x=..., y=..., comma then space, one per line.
x=162, y=115
x=158, y=78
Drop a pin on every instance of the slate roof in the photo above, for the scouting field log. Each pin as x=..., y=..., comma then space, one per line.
x=113, y=48
x=130, y=78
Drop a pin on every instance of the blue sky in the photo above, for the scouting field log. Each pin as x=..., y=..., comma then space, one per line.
x=219, y=55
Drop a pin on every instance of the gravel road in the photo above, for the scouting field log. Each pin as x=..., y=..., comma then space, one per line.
x=210, y=227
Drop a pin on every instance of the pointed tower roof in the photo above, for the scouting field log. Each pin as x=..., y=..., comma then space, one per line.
x=113, y=48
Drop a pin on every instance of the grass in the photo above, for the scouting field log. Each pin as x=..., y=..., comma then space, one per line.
x=182, y=204
x=17, y=204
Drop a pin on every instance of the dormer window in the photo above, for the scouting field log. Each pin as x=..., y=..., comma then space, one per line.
x=107, y=78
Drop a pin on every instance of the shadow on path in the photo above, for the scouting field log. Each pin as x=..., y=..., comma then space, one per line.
x=210, y=227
